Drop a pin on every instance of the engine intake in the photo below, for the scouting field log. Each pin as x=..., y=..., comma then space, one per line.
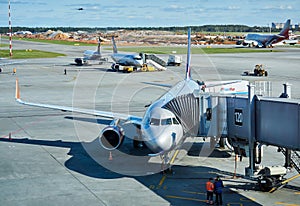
x=111, y=137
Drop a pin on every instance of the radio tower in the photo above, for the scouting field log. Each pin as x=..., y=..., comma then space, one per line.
x=9, y=31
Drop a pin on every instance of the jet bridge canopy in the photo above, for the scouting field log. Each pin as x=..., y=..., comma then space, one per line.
x=277, y=122
x=273, y=121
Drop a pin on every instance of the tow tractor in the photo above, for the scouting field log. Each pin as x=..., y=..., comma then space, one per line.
x=258, y=71
x=128, y=69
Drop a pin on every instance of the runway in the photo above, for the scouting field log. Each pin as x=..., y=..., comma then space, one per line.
x=53, y=157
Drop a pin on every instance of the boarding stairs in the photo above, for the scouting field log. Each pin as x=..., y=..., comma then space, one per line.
x=156, y=59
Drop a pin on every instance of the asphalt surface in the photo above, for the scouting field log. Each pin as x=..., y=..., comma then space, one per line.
x=54, y=158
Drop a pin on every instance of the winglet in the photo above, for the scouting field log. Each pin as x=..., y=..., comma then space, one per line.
x=188, y=61
x=17, y=89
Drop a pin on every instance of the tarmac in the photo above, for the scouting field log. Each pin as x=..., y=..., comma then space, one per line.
x=49, y=157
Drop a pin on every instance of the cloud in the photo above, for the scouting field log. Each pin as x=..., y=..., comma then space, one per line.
x=234, y=7
x=279, y=7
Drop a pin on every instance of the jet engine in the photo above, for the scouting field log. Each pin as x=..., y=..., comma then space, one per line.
x=111, y=137
x=115, y=67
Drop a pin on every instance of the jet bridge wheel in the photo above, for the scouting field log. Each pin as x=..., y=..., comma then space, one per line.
x=266, y=73
x=266, y=183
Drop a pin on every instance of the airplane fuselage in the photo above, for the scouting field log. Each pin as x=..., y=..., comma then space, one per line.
x=162, y=130
x=262, y=40
x=127, y=59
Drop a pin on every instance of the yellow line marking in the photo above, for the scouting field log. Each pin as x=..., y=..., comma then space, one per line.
x=286, y=204
x=248, y=199
x=297, y=193
x=174, y=156
x=234, y=203
x=197, y=193
x=162, y=180
x=184, y=198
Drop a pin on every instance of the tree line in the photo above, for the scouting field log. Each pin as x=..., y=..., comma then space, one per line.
x=204, y=28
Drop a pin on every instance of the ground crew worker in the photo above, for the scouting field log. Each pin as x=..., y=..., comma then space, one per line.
x=209, y=191
x=218, y=185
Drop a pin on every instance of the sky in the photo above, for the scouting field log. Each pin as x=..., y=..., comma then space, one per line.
x=150, y=13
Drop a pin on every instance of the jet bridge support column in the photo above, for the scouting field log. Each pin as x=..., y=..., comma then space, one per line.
x=287, y=93
x=249, y=171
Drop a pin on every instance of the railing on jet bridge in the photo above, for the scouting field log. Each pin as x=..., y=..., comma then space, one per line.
x=263, y=88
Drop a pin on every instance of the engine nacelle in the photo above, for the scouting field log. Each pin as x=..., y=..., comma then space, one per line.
x=115, y=67
x=111, y=137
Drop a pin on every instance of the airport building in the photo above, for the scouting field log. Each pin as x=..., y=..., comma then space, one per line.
x=281, y=25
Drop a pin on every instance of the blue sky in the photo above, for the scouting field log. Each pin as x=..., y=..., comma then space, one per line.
x=120, y=13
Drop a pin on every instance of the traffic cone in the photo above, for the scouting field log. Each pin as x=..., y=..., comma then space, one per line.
x=110, y=156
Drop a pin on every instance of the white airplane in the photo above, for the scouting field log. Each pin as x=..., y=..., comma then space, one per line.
x=166, y=123
x=266, y=40
x=135, y=60
x=90, y=55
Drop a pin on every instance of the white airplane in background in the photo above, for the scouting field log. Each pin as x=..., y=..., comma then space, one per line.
x=90, y=55
x=166, y=123
x=266, y=40
x=135, y=60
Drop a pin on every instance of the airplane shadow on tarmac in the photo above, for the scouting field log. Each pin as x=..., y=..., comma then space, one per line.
x=184, y=186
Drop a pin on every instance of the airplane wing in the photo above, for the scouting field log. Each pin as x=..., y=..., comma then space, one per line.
x=128, y=118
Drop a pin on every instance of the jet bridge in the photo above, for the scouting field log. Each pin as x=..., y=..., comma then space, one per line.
x=251, y=121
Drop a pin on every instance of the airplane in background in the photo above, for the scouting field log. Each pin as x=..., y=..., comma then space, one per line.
x=266, y=40
x=135, y=60
x=90, y=55
x=166, y=124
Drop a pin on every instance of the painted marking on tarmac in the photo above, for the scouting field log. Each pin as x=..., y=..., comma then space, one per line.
x=297, y=193
x=174, y=156
x=248, y=199
x=192, y=192
x=234, y=203
x=286, y=204
x=185, y=198
x=161, y=182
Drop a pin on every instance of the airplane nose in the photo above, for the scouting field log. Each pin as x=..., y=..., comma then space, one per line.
x=160, y=139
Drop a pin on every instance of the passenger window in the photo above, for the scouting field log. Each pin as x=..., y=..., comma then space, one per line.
x=154, y=121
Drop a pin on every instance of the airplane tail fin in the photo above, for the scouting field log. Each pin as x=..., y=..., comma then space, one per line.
x=188, y=60
x=285, y=30
x=115, y=50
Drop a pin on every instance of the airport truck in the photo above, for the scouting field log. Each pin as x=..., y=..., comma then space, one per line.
x=174, y=60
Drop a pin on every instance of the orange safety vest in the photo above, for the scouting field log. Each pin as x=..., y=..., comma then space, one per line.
x=209, y=186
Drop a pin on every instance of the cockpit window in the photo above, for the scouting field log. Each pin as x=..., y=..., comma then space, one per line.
x=175, y=121
x=154, y=121
x=138, y=58
x=166, y=121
